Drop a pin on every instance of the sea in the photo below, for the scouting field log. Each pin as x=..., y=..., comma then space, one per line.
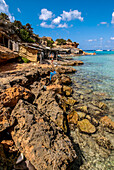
x=98, y=70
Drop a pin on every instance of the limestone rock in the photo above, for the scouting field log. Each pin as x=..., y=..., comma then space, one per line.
x=57, y=88
x=7, y=54
x=7, y=144
x=63, y=69
x=102, y=106
x=72, y=118
x=11, y=96
x=107, y=122
x=65, y=80
x=85, y=126
x=48, y=106
x=71, y=63
x=40, y=140
x=5, y=118
x=71, y=101
x=67, y=90
x=81, y=115
x=83, y=109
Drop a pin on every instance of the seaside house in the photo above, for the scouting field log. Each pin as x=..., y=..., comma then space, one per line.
x=7, y=37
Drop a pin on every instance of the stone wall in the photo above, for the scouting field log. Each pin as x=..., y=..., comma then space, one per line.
x=29, y=53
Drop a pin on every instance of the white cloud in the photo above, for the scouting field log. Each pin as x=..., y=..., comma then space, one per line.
x=112, y=22
x=91, y=40
x=63, y=25
x=103, y=23
x=45, y=14
x=45, y=25
x=112, y=38
x=101, y=38
x=18, y=10
x=5, y=9
x=71, y=15
x=57, y=20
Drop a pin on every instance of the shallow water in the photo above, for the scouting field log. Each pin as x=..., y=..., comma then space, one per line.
x=96, y=76
x=98, y=71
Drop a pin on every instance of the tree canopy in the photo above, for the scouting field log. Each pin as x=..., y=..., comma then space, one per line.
x=61, y=42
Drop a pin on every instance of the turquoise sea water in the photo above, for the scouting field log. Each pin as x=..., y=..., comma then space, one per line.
x=99, y=71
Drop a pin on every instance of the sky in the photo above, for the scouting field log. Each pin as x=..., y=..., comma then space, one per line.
x=89, y=22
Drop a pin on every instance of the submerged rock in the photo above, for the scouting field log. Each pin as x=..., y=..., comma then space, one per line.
x=40, y=140
x=104, y=142
x=85, y=126
x=107, y=122
x=72, y=118
x=67, y=90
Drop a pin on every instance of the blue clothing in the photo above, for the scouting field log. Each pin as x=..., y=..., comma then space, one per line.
x=52, y=74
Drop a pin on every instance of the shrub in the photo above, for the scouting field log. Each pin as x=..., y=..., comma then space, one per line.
x=25, y=60
x=61, y=42
x=50, y=43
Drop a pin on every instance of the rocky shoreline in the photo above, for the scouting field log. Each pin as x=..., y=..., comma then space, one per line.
x=51, y=124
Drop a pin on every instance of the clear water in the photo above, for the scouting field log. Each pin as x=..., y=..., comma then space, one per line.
x=98, y=70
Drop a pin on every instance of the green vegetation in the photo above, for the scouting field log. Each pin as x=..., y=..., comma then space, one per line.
x=61, y=42
x=50, y=43
x=25, y=60
x=3, y=16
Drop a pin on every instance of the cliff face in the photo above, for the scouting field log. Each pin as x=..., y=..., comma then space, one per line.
x=6, y=54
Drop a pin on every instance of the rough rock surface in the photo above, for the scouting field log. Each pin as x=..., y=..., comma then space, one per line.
x=11, y=96
x=40, y=140
x=85, y=126
x=5, y=118
x=107, y=122
x=67, y=90
x=72, y=118
x=48, y=106
x=6, y=54
x=71, y=63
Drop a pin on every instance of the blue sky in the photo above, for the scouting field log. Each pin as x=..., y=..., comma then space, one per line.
x=89, y=22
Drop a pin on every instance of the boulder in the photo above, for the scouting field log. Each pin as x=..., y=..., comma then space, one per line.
x=103, y=106
x=65, y=69
x=48, y=106
x=72, y=118
x=81, y=115
x=57, y=88
x=67, y=90
x=43, y=143
x=72, y=63
x=11, y=96
x=82, y=108
x=85, y=126
x=107, y=122
x=3, y=159
x=71, y=101
x=65, y=80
